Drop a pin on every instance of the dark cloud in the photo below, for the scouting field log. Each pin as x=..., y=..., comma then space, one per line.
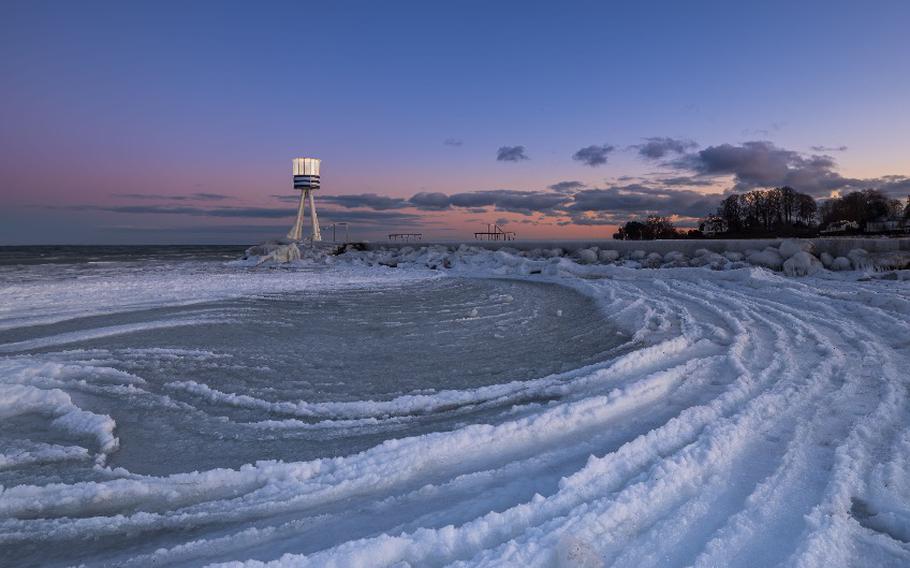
x=762, y=164
x=685, y=181
x=593, y=155
x=511, y=154
x=829, y=148
x=453, y=142
x=433, y=201
x=255, y=213
x=566, y=186
x=506, y=200
x=369, y=200
x=657, y=147
x=641, y=200
x=191, y=197
x=897, y=187
x=510, y=200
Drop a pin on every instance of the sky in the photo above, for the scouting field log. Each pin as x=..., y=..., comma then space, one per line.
x=176, y=122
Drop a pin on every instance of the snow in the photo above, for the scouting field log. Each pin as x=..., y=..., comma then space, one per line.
x=736, y=416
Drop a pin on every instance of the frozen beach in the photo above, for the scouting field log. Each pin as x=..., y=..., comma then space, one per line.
x=442, y=406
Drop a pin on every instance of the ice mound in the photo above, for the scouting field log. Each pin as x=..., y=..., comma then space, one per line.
x=801, y=264
x=587, y=256
x=792, y=257
x=769, y=258
x=790, y=247
x=278, y=251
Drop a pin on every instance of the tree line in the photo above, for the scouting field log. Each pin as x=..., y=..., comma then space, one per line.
x=861, y=207
x=780, y=211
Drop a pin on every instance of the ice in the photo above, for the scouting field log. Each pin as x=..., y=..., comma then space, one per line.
x=801, y=263
x=461, y=406
x=790, y=247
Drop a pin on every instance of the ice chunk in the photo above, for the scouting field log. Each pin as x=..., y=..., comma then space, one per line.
x=587, y=256
x=841, y=263
x=769, y=258
x=801, y=264
x=790, y=247
x=860, y=259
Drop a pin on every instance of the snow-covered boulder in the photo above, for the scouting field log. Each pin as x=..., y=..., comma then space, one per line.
x=653, y=260
x=675, y=256
x=586, y=256
x=859, y=258
x=801, y=264
x=789, y=247
x=892, y=260
x=704, y=257
x=827, y=260
x=553, y=253
x=841, y=263
x=273, y=251
x=608, y=255
x=769, y=258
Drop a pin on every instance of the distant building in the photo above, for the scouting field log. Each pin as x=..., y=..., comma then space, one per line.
x=888, y=225
x=713, y=226
x=840, y=227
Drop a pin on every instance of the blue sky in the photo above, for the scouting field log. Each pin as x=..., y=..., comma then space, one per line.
x=105, y=101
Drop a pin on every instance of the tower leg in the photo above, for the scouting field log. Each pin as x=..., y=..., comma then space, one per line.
x=317, y=236
x=296, y=232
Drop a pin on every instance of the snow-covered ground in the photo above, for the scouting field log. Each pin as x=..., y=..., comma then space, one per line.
x=715, y=413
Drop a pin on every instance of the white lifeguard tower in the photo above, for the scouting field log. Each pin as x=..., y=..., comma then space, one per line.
x=306, y=181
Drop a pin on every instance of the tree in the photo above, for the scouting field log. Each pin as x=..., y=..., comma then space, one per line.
x=806, y=208
x=859, y=206
x=633, y=231
x=654, y=227
x=779, y=210
x=661, y=227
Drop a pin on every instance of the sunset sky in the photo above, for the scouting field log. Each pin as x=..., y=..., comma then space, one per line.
x=176, y=122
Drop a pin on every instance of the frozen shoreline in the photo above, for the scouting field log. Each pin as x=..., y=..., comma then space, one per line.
x=760, y=420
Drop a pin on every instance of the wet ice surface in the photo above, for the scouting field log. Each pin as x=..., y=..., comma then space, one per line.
x=361, y=345
x=183, y=413
x=289, y=375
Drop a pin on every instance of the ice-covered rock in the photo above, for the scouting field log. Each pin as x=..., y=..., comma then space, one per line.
x=859, y=258
x=769, y=258
x=653, y=260
x=553, y=253
x=801, y=264
x=790, y=247
x=826, y=259
x=674, y=256
x=704, y=257
x=638, y=254
x=733, y=256
x=273, y=251
x=608, y=255
x=587, y=256
x=841, y=263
